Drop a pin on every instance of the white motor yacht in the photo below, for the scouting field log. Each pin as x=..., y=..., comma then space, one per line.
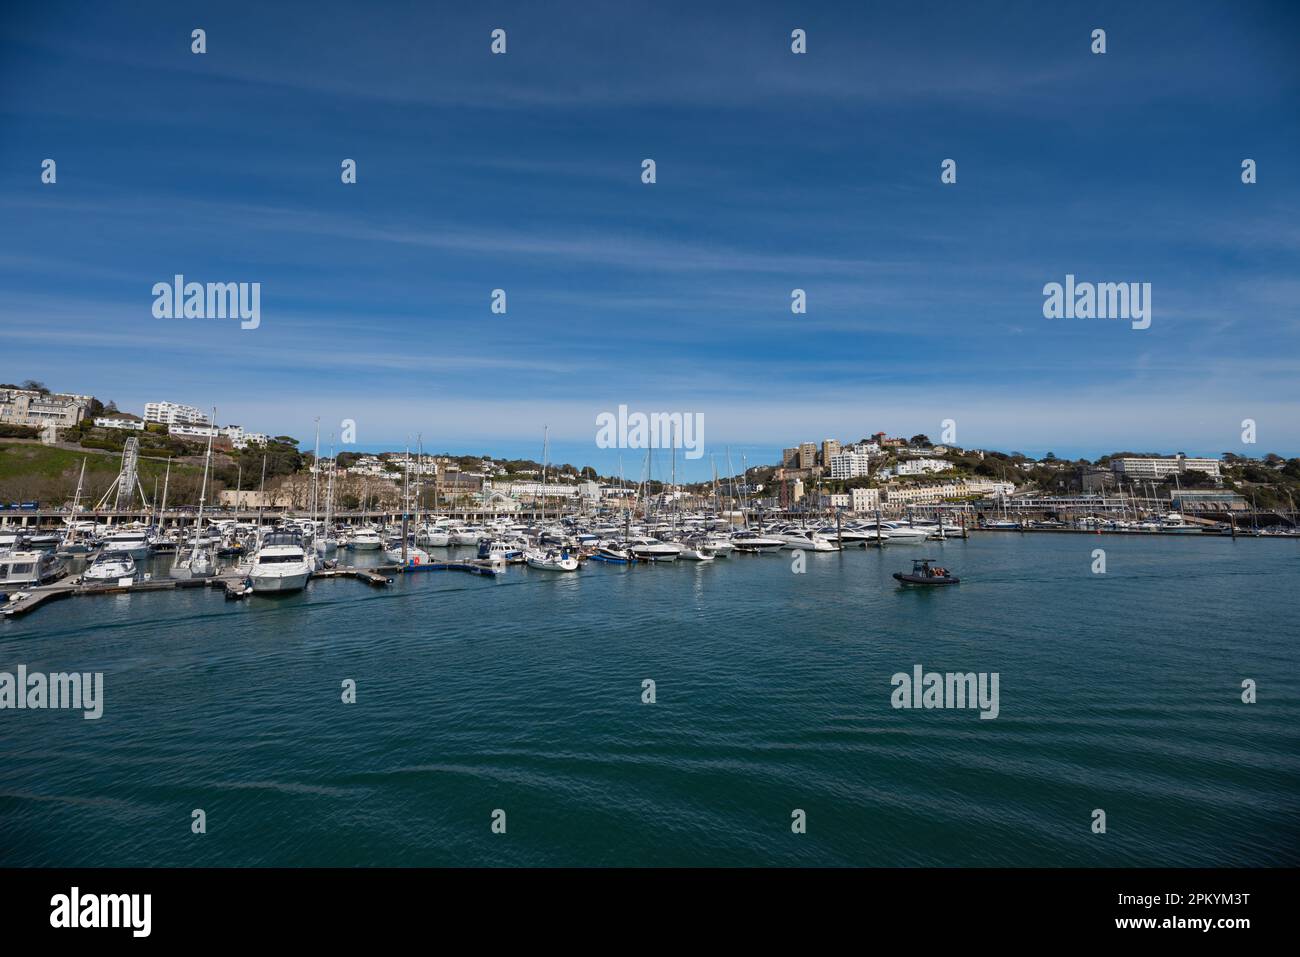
x=748, y=541
x=807, y=539
x=280, y=564
x=433, y=536
x=468, y=535
x=653, y=550
x=1174, y=522
x=720, y=545
x=366, y=539
x=900, y=534
x=109, y=568
x=552, y=560
x=695, y=550
x=132, y=542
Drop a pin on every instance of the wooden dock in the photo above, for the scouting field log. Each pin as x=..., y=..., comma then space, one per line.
x=231, y=583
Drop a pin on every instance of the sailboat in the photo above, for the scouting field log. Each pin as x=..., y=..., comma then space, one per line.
x=326, y=540
x=200, y=562
x=70, y=544
x=402, y=551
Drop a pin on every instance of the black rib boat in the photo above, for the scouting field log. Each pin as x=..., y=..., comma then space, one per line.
x=924, y=573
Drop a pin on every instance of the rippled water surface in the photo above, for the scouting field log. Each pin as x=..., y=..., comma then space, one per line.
x=1119, y=691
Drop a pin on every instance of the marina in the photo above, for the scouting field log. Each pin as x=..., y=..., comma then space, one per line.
x=523, y=689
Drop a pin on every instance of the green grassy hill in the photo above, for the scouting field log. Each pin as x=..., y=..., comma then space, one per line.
x=49, y=474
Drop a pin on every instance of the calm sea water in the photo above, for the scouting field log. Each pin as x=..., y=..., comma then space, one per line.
x=523, y=693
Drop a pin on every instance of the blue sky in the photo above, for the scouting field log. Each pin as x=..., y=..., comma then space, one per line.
x=775, y=171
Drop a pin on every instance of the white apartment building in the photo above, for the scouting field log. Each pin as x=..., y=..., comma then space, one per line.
x=934, y=494
x=241, y=439
x=368, y=465
x=850, y=465
x=194, y=431
x=111, y=422
x=40, y=409
x=987, y=487
x=921, y=466
x=922, y=494
x=1158, y=469
x=535, y=489
x=865, y=499
x=170, y=413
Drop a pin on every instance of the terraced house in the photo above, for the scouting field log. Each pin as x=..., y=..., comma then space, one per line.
x=39, y=409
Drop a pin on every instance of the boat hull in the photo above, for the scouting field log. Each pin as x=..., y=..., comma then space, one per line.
x=926, y=582
x=271, y=584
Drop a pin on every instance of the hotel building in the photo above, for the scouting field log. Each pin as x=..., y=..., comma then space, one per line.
x=41, y=409
x=169, y=414
x=1158, y=469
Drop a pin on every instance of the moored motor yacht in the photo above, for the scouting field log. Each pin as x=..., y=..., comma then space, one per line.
x=467, y=535
x=795, y=537
x=552, y=560
x=900, y=534
x=365, y=539
x=695, y=550
x=109, y=568
x=29, y=568
x=431, y=536
x=748, y=541
x=720, y=545
x=1174, y=522
x=612, y=554
x=134, y=542
x=501, y=552
x=653, y=550
x=280, y=563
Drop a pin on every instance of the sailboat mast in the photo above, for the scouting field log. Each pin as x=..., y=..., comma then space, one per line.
x=76, y=504
x=315, y=474
x=546, y=438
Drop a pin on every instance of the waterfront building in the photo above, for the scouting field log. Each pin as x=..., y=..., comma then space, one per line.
x=864, y=499
x=536, y=489
x=1207, y=500
x=830, y=449
x=1158, y=469
x=790, y=457
x=172, y=413
x=808, y=455
x=921, y=494
x=41, y=409
x=119, y=422
x=931, y=494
